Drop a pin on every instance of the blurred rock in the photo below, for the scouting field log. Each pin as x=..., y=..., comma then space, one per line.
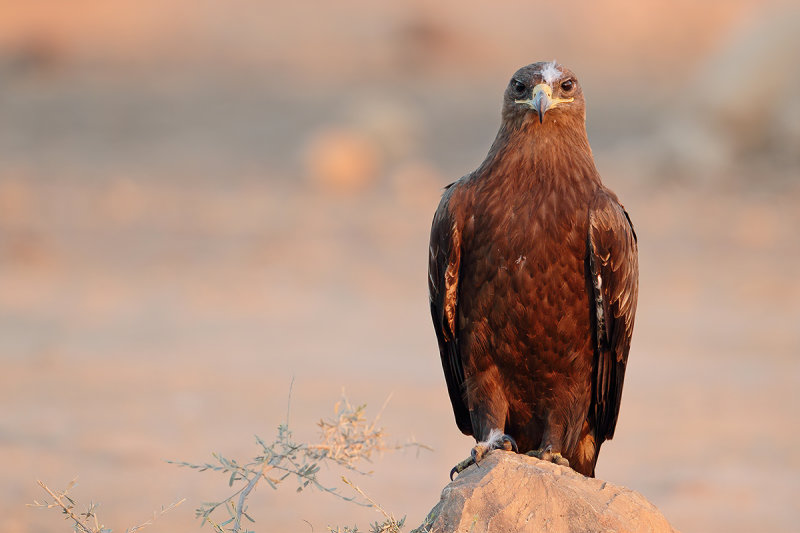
x=342, y=159
x=740, y=113
x=754, y=82
x=512, y=492
x=38, y=53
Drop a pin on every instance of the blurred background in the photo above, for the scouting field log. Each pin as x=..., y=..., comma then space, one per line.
x=200, y=201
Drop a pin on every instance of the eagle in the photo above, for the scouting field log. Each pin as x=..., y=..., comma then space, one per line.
x=533, y=282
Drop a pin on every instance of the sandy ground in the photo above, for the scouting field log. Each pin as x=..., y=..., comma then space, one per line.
x=176, y=248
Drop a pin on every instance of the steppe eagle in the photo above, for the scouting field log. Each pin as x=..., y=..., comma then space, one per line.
x=533, y=281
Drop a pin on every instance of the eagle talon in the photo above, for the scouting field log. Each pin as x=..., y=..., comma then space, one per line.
x=548, y=455
x=463, y=465
x=509, y=444
x=481, y=449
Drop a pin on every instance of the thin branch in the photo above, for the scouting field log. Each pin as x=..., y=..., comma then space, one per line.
x=346, y=439
x=156, y=516
x=375, y=504
x=67, y=509
x=289, y=401
x=383, y=408
x=243, y=496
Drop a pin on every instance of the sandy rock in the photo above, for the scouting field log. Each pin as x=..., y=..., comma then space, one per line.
x=516, y=493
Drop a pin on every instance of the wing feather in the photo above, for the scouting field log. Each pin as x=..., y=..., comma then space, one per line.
x=443, y=272
x=614, y=269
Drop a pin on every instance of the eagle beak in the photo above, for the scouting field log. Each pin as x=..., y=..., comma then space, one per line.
x=542, y=100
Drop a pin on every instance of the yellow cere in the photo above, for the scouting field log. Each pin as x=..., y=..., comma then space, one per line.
x=543, y=87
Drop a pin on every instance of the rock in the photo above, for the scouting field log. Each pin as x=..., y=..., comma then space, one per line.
x=509, y=492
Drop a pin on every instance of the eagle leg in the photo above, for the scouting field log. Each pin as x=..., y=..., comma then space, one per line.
x=496, y=441
x=547, y=454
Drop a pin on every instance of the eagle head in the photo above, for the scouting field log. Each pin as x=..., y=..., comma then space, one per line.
x=541, y=88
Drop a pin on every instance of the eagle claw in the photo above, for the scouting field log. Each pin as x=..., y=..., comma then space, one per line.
x=479, y=451
x=509, y=444
x=547, y=454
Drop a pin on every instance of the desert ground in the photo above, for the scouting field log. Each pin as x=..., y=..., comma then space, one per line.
x=201, y=205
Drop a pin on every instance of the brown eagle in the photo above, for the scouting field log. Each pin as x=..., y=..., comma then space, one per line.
x=533, y=280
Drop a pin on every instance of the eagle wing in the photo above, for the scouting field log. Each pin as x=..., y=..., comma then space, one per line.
x=444, y=260
x=614, y=268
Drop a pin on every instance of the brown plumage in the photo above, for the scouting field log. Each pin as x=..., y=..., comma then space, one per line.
x=533, y=280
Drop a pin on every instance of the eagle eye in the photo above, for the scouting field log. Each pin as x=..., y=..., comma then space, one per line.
x=518, y=87
x=567, y=85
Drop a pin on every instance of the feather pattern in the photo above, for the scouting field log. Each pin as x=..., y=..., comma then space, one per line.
x=613, y=257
